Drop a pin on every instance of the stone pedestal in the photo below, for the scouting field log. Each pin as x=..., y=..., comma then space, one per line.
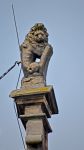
x=34, y=106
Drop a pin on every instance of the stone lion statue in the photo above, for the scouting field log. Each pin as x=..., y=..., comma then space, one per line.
x=35, y=56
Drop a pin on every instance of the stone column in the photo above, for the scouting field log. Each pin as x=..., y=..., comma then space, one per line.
x=34, y=107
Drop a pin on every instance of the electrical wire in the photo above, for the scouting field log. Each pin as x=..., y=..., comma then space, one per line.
x=15, y=107
x=5, y=73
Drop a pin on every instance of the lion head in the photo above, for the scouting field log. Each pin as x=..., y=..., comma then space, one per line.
x=38, y=34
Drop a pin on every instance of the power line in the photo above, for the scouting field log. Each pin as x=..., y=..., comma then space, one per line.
x=18, y=78
x=15, y=108
x=14, y=104
x=5, y=73
x=16, y=26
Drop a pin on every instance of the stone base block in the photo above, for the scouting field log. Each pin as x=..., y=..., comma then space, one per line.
x=42, y=116
x=26, y=96
x=36, y=136
x=34, y=131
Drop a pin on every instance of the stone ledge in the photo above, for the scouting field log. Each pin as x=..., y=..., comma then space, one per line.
x=47, y=91
x=42, y=116
x=33, y=91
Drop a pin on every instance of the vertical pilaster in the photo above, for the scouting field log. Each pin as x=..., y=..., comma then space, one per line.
x=34, y=107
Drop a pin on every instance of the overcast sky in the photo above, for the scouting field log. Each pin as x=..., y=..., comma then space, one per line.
x=64, y=20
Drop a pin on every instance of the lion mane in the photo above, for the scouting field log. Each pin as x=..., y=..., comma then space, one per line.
x=31, y=37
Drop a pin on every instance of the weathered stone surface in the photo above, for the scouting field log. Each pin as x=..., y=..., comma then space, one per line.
x=41, y=116
x=35, y=101
x=34, y=131
x=26, y=95
x=36, y=135
x=21, y=92
x=35, y=46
